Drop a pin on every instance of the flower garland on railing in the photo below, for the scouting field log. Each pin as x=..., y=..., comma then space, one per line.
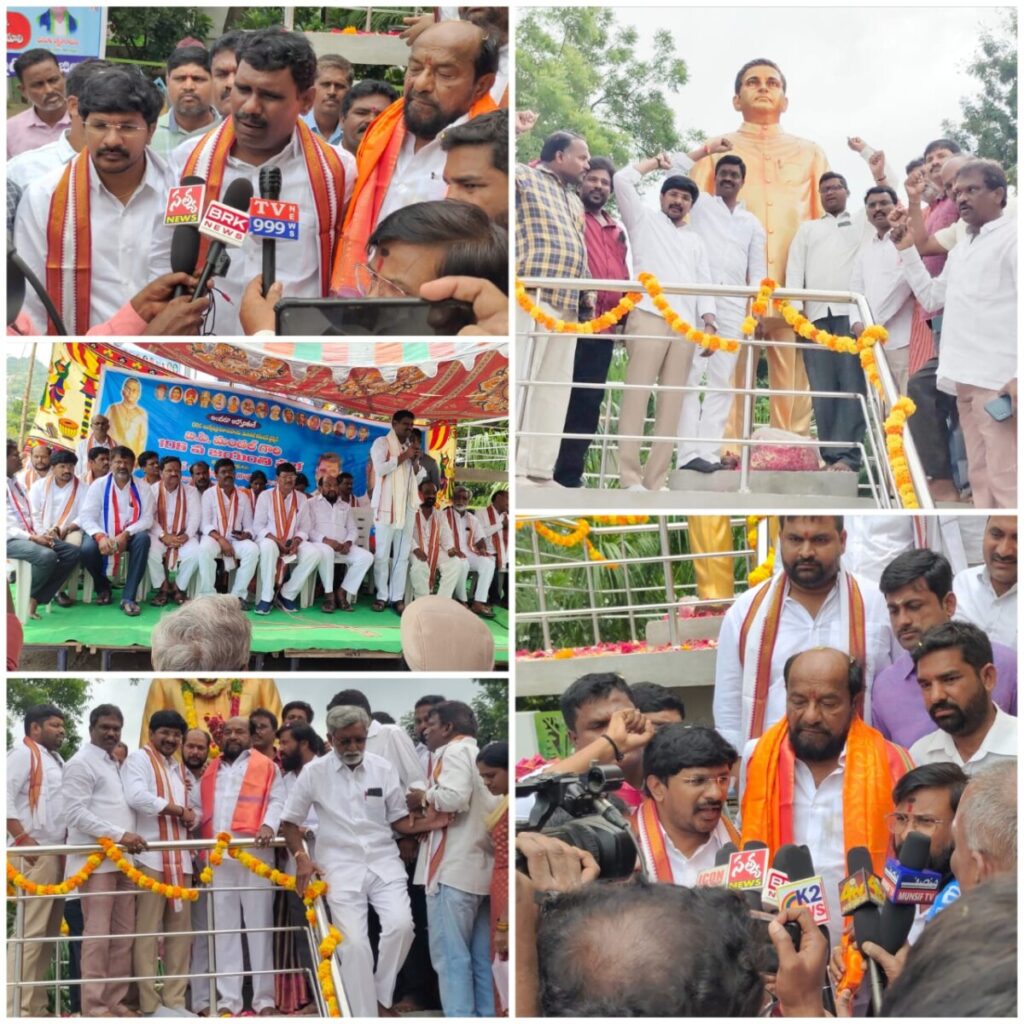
x=143, y=881
x=764, y=571
x=626, y=305
x=894, y=425
x=580, y=535
x=188, y=692
x=712, y=342
x=17, y=880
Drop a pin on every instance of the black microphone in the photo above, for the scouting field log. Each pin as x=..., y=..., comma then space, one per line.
x=18, y=273
x=897, y=919
x=237, y=196
x=723, y=855
x=866, y=922
x=185, y=244
x=270, y=188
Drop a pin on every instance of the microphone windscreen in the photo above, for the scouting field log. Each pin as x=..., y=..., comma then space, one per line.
x=193, y=179
x=723, y=855
x=859, y=858
x=238, y=194
x=895, y=921
x=914, y=851
x=184, y=248
x=755, y=844
x=270, y=182
x=802, y=862
x=866, y=919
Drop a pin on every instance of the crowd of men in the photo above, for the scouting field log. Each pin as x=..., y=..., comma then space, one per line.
x=848, y=712
x=399, y=831
x=392, y=191
x=102, y=505
x=938, y=270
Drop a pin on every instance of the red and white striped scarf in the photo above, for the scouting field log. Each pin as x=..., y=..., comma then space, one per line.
x=69, y=248
x=178, y=523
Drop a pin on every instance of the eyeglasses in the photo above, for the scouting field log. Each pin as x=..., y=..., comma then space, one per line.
x=370, y=283
x=925, y=823
x=831, y=188
x=702, y=781
x=102, y=127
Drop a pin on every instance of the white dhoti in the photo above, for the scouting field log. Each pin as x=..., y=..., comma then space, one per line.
x=307, y=558
x=483, y=566
x=391, y=559
x=357, y=563
x=365, y=987
x=247, y=558
x=188, y=562
x=419, y=576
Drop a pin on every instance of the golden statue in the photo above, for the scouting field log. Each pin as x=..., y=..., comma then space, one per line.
x=781, y=190
x=199, y=701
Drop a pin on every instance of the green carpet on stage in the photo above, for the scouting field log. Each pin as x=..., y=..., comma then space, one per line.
x=307, y=629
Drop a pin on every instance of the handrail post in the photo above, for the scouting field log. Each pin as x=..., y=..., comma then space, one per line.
x=211, y=944
x=749, y=374
x=541, y=602
x=19, y=953
x=670, y=590
x=588, y=568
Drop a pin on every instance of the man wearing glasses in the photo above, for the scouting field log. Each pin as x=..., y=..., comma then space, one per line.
x=99, y=209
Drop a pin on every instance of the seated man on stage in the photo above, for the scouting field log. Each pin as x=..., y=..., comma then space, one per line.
x=99, y=437
x=174, y=538
x=433, y=548
x=333, y=532
x=281, y=530
x=470, y=553
x=493, y=522
x=56, y=501
x=346, y=492
x=97, y=464
x=227, y=534
x=117, y=517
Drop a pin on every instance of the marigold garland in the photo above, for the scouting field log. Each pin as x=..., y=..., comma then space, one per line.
x=602, y=323
x=580, y=535
x=142, y=880
x=712, y=342
x=894, y=426
x=764, y=571
x=17, y=880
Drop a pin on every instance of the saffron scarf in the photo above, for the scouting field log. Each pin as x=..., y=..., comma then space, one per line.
x=500, y=538
x=69, y=505
x=90, y=442
x=650, y=838
x=170, y=828
x=760, y=630
x=376, y=162
x=35, y=774
x=253, y=798
x=69, y=248
x=396, y=488
x=432, y=545
x=177, y=525
x=873, y=767
x=284, y=523
x=31, y=476
x=326, y=180
x=23, y=511
x=227, y=517
x=112, y=516
x=455, y=522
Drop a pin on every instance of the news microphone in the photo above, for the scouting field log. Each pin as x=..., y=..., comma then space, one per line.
x=18, y=273
x=237, y=196
x=722, y=856
x=270, y=188
x=747, y=871
x=907, y=886
x=859, y=897
x=185, y=244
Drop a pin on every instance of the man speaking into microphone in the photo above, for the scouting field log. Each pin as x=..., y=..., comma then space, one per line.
x=273, y=87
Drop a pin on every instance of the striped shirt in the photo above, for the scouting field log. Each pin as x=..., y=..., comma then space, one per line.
x=550, y=238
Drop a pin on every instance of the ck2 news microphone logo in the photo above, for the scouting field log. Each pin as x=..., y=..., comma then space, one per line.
x=184, y=205
x=224, y=223
x=272, y=218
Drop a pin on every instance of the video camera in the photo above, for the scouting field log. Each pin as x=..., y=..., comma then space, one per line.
x=594, y=823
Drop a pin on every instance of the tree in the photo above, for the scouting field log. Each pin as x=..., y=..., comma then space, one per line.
x=578, y=69
x=988, y=126
x=490, y=706
x=150, y=33
x=70, y=695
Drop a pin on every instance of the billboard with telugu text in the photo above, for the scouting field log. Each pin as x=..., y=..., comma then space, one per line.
x=71, y=34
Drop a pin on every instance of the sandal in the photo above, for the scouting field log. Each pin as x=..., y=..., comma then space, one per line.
x=329, y=606
x=105, y=598
x=159, y=599
x=130, y=608
x=482, y=610
x=179, y=597
x=378, y=606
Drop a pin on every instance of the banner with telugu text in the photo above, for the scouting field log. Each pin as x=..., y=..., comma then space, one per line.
x=72, y=34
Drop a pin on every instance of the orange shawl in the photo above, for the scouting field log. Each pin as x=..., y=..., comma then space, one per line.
x=69, y=248
x=646, y=826
x=873, y=767
x=376, y=160
x=253, y=797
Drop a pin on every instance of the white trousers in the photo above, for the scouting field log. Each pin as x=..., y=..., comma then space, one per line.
x=365, y=987
x=419, y=576
x=188, y=562
x=391, y=559
x=199, y=988
x=358, y=562
x=257, y=910
x=706, y=420
x=248, y=557
x=484, y=566
x=307, y=559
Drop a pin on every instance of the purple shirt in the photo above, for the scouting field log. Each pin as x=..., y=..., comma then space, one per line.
x=897, y=707
x=28, y=130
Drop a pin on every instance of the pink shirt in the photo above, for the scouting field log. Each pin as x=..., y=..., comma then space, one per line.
x=606, y=255
x=125, y=321
x=28, y=130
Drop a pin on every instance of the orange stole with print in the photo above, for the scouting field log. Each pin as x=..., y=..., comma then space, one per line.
x=69, y=248
x=253, y=798
x=432, y=545
x=646, y=825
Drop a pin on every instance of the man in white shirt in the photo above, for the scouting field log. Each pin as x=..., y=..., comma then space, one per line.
x=680, y=826
x=127, y=187
x=57, y=499
x=95, y=807
x=358, y=802
x=987, y=594
x=470, y=553
x=53, y=559
x=493, y=528
x=227, y=533
x=814, y=602
x=334, y=533
x=117, y=516
x=663, y=245
x=35, y=817
x=821, y=257
x=174, y=538
x=346, y=488
x=878, y=276
x=273, y=86
x=956, y=675
x=977, y=290
x=735, y=243
x=38, y=467
x=281, y=526
x=396, y=472
x=165, y=799
x=433, y=548
x=257, y=816
x=421, y=714
x=456, y=865
x=99, y=436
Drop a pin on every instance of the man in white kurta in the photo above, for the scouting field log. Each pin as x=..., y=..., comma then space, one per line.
x=333, y=531
x=358, y=801
x=227, y=533
x=493, y=523
x=987, y=594
x=174, y=538
x=470, y=551
x=433, y=548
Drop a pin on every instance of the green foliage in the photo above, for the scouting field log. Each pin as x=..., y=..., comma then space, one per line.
x=17, y=377
x=490, y=706
x=70, y=695
x=988, y=124
x=579, y=70
x=151, y=33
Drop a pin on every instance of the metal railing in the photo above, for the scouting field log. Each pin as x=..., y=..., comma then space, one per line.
x=880, y=478
x=313, y=933
x=636, y=607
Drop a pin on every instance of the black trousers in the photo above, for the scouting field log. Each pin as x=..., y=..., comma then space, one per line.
x=50, y=566
x=933, y=422
x=138, y=550
x=590, y=366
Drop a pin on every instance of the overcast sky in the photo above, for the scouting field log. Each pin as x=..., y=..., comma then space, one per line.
x=888, y=74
